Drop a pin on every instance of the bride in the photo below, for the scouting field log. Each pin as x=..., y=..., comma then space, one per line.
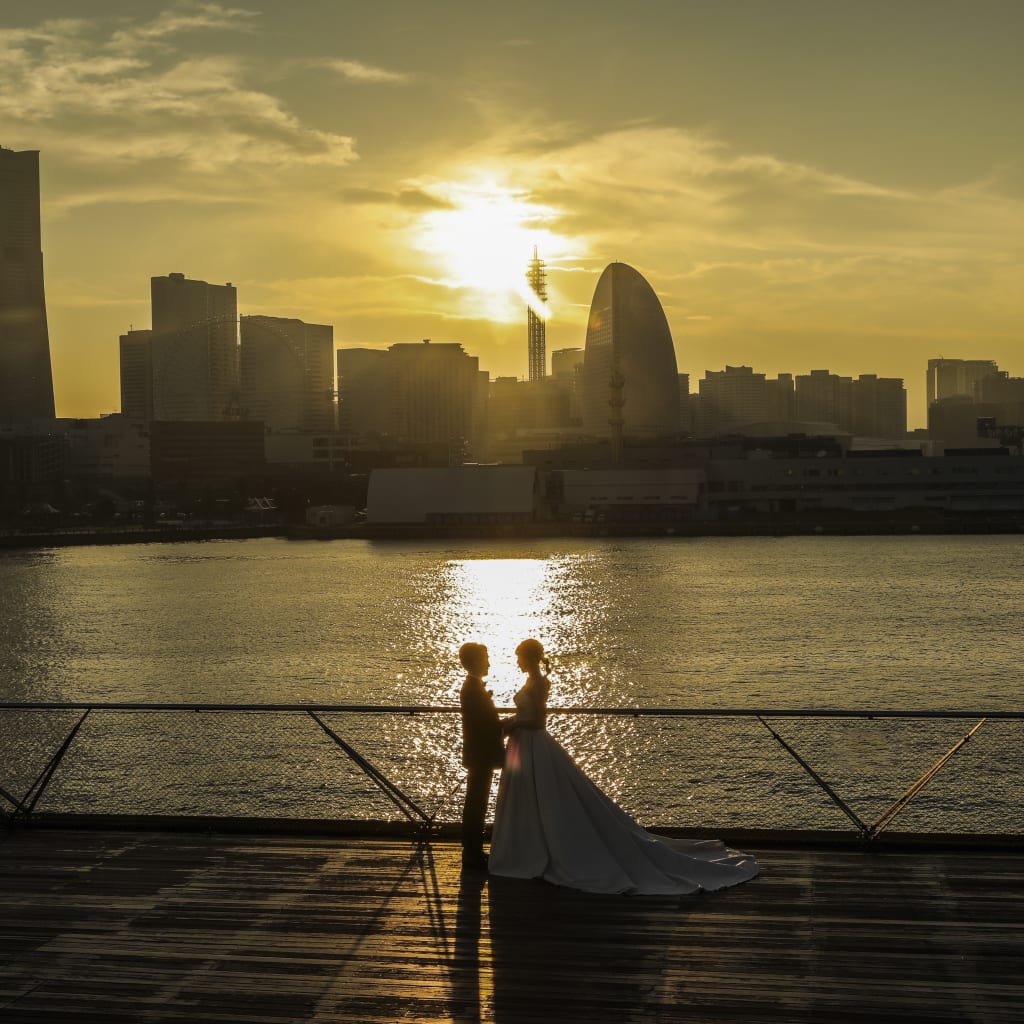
x=552, y=822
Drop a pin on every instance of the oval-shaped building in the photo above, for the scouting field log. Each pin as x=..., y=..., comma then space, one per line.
x=629, y=365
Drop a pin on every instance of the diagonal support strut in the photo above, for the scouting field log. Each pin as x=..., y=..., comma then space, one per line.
x=886, y=817
x=404, y=803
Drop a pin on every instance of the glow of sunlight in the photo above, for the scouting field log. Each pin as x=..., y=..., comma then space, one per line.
x=501, y=602
x=484, y=239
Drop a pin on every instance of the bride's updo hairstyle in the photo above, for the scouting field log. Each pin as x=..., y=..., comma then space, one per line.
x=532, y=652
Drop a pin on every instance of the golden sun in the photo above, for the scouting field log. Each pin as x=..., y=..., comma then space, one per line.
x=483, y=241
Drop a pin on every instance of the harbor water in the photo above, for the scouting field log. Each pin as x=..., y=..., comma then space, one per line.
x=858, y=623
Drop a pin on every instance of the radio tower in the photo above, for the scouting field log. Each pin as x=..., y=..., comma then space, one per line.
x=536, y=278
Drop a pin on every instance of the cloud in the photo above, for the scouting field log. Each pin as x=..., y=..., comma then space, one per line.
x=408, y=198
x=669, y=191
x=357, y=71
x=187, y=18
x=132, y=97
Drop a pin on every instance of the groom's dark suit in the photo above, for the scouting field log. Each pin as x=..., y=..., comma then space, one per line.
x=482, y=752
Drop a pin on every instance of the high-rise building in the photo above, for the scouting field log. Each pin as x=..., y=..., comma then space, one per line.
x=536, y=327
x=414, y=393
x=879, y=407
x=136, y=362
x=364, y=392
x=437, y=395
x=567, y=373
x=950, y=377
x=736, y=396
x=630, y=377
x=823, y=397
x=195, y=350
x=868, y=406
x=26, y=376
x=686, y=406
x=287, y=373
x=1004, y=395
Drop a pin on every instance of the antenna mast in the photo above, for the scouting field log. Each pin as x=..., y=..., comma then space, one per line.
x=536, y=329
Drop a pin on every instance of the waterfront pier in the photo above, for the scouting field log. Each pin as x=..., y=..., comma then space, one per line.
x=128, y=925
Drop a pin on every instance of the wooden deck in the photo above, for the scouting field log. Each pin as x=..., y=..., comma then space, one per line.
x=111, y=926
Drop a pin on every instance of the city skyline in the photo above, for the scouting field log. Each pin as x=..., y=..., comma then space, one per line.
x=803, y=188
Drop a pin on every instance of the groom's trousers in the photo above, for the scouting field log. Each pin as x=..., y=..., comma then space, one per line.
x=478, y=789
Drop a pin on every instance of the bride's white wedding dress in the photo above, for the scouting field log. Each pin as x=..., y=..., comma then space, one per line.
x=552, y=822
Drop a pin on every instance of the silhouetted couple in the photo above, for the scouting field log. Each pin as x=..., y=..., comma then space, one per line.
x=551, y=821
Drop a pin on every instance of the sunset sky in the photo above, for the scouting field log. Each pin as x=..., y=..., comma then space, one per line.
x=806, y=185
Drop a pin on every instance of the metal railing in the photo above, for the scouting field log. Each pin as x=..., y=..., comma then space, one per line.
x=39, y=740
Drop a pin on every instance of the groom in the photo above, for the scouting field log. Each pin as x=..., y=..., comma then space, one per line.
x=482, y=751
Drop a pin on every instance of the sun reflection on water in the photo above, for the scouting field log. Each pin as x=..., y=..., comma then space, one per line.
x=500, y=601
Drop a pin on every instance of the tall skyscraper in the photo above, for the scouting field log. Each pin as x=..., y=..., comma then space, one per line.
x=26, y=377
x=630, y=377
x=536, y=327
x=287, y=373
x=195, y=349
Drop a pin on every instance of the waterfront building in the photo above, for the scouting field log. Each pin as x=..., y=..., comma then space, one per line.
x=536, y=327
x=31, y=467
x=732, y=398
x=109, y=448
x=195, y=350
x=136, y=366
x=519, y=410
x=26, y=377
x=953, y=421
x=286, y=370
x=762, y=481
x=302, y=451
x=620, y=494
x=195, y=455
x=457, y=495
x=630, y=377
